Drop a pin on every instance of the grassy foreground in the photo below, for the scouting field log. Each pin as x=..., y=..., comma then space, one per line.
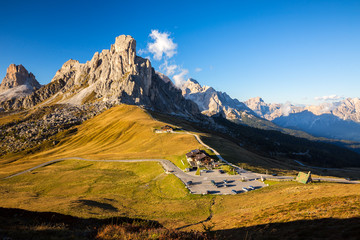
x=103, y=190
x=143, y=190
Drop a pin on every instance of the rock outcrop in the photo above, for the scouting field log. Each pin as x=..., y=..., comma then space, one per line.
x=212, y=102
x=114, y=76
x=18, y=82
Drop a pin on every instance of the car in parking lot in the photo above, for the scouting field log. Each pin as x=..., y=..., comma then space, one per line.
x=245, y=189
x=251, y=187
x=221, y=171
x=234, y=191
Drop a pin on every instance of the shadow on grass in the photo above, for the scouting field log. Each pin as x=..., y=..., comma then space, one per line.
x=22, y=224
x=91, y=203
x=327, y=228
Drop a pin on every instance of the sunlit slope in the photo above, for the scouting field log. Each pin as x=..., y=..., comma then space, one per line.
x=122, y=132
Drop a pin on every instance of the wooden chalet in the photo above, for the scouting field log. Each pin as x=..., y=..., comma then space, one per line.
x=167, y=128
x=199, y=158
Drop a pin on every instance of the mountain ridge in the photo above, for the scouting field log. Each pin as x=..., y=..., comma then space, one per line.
x=114, y=76
x=338, y=120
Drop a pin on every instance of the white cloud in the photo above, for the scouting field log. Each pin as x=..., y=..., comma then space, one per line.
x=329, y=98
x=169, y=69
x=142, y=51
x=286, y=108
x=163, y=49
x=179, y=79
x=198, y=69
x=162, y=45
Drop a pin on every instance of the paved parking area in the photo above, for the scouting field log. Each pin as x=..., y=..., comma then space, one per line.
x=219, y=187
x=212, y=182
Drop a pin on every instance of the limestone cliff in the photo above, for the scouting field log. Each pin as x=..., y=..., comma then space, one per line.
x=114, y=76
x=18, y=82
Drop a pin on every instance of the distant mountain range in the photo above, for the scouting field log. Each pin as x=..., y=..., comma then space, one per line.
x=339, y=120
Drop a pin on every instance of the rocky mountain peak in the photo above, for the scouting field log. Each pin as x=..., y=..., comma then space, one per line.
x=256, y=100
x=18, y=82
x=212, y=102
x=17, y=75
x=191, y=80
x=113, y=76
x=125, y=45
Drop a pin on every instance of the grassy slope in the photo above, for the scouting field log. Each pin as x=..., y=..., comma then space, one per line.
x=288, y=201
x=102, y=190
x=123, y=132
x=142, y=189
x=231, y=151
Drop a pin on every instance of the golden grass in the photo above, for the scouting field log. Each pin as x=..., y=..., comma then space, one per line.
x=143, y=190
x=96, y=189
x=122, y=132
x=287, y=201
x=4, y=119
x=102, y=190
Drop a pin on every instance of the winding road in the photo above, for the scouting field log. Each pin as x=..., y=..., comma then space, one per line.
x=199, y=184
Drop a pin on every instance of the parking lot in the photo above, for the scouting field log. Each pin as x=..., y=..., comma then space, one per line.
x=214, y=182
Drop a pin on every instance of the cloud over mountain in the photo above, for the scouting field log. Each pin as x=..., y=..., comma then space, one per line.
x=333, y=97
x=163, y=49
x=162, y=45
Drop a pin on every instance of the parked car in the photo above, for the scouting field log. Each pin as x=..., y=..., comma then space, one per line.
x=245, y=189
x=251, y=187
x=234, y=191
x=189, y=183
x=225, y=181
x=221, y=171
x=213, y=182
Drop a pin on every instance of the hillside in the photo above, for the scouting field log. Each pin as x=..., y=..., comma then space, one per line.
x=143, y=190
x=122, y=132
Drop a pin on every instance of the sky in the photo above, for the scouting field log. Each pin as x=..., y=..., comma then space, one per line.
x=298, y=51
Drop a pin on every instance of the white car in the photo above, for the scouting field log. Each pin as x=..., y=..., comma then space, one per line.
x=251, y=187
x=245, y=189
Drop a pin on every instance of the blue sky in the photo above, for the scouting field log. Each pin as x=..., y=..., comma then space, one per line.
x=279, y=50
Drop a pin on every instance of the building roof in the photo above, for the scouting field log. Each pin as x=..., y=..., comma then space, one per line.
x=167, y=127
x=200, y=156
x=303, y=177
x=193, y=153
